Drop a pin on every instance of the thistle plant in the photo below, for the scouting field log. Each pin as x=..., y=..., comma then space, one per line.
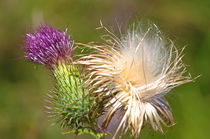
x=71, y=104
x=132, y=74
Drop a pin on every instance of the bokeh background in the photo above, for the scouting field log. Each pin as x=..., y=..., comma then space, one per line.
x=23, y=85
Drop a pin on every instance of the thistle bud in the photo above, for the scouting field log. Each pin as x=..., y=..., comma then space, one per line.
x=70, y=102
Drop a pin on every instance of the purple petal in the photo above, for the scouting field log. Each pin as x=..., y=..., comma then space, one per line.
x=47, y=45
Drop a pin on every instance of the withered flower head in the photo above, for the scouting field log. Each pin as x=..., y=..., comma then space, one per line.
x=133, y=74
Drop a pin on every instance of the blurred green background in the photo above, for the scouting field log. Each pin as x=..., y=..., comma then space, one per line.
x=23, y=85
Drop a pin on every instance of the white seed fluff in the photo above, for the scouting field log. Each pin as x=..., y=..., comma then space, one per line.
x=136, y=71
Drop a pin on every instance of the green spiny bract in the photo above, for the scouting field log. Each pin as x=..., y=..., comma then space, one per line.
x=71, y=104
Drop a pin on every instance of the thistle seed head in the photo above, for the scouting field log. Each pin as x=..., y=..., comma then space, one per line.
x=47, y=45
x=133, y=74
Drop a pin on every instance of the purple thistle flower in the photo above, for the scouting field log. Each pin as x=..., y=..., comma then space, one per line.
x=47, y=46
